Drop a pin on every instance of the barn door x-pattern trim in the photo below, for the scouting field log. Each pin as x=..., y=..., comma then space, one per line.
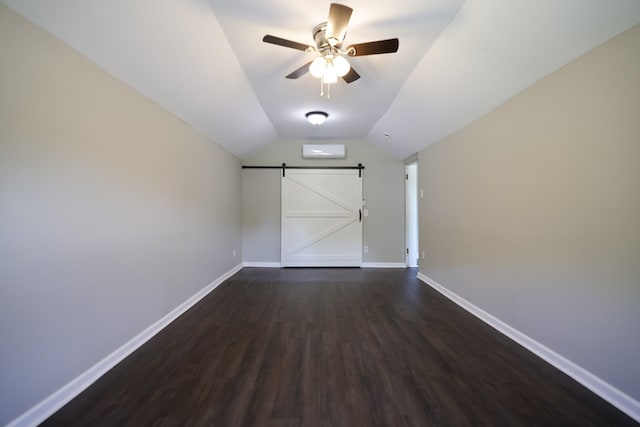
x=346, y=231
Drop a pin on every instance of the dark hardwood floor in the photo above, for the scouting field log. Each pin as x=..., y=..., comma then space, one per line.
x=333, y=347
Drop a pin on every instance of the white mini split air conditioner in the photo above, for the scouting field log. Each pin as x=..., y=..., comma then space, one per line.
x=323, y=151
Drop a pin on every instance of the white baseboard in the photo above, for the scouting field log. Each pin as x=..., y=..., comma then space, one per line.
x=364, y=264
x=262, y=264
x=61, y=397
x=616, y=397
x=384, y=265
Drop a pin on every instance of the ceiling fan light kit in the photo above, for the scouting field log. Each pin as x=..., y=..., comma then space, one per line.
x=321, y=67
x=316, y=118
x=329, y=37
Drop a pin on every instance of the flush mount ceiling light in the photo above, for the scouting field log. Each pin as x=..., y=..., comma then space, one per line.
x=316, y=118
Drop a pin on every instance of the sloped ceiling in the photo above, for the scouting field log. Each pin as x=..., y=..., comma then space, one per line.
x=204, y=60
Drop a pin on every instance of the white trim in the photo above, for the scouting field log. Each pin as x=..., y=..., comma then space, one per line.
x=262, y=264
x=66, y=393
x=364, y=264
x=384, y=265
x=616, y=397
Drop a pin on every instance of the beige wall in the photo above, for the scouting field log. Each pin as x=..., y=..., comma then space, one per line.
x=532, y=213
x=383, y=188
x=112, y=213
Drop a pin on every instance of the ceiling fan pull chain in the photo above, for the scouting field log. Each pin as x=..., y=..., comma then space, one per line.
x=321, y=85
x=328, y=90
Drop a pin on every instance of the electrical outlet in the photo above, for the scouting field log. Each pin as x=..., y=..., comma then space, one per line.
x=234, y=253
x=366, y=249
x=366, y=212
x=422, y=254
x=421, y=193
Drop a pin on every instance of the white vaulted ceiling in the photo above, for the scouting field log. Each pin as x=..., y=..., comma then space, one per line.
x=204, y=60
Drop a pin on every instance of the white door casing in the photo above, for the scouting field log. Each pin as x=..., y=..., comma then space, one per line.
x=321, y=218
x=411, y=200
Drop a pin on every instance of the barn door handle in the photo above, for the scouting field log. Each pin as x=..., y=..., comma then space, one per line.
x=360, y=214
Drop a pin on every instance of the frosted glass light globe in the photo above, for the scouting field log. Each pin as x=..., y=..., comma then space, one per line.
x=318, y=66
x=330, y=75
x=341, y=66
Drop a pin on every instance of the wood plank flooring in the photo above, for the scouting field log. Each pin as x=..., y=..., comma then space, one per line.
x=333, y=347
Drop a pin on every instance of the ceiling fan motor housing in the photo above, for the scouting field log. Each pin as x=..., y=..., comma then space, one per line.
x=320, y=36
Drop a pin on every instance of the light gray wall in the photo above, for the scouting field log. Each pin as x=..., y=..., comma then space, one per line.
x=112, y=213
x=383, y=188
x=532, y=213
x=261, y=215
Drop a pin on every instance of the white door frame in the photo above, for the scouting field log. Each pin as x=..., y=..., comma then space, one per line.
x=411, y=211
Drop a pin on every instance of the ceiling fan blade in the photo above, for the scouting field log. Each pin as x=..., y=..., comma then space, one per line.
x=284, y=42
x=373, y=48
x=337, y=23
x=351, y=76
x=300, y=71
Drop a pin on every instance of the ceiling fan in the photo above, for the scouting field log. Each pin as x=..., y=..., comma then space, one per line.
x=329, y=37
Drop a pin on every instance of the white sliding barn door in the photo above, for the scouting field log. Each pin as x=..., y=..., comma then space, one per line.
x=321, y=218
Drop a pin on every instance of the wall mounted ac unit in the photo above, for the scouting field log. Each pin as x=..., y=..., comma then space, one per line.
x=323, y=151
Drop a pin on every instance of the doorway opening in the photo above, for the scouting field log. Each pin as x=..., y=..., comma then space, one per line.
x=411, y=209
